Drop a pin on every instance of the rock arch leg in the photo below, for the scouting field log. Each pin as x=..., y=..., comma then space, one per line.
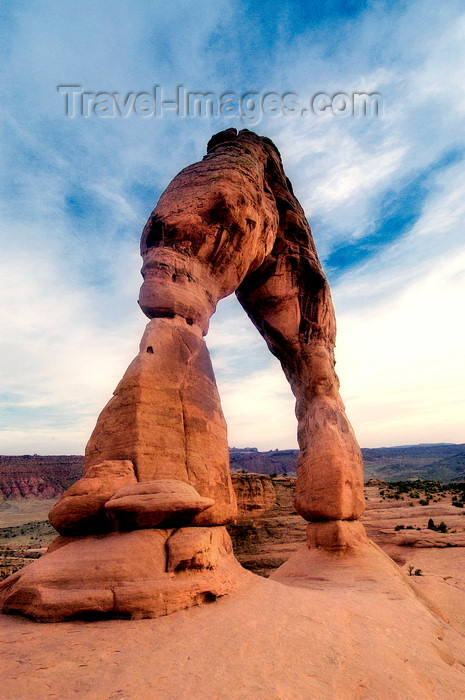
x=329, y=469
x=289, y=301
x=166, y=418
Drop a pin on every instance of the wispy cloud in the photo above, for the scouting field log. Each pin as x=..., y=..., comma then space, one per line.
x=384, y=197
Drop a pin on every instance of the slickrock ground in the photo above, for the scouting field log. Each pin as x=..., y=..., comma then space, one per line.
x=439, y=556
x=264, y=543
x=352, y=632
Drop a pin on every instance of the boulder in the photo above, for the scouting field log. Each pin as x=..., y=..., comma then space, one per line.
x=81, y=510
x=164, y=503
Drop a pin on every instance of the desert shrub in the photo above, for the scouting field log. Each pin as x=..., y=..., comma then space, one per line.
x=442, y=527
x=414, y=572
x=399, y=527
x=424, y=502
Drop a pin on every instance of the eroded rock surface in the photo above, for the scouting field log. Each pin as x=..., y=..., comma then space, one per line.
x=255, y=494
x=229, y=223
x=155, y=504
x=124, y=575
x=165, y=416
x=81, y=510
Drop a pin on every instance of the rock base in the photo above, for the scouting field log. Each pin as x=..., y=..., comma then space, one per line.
x=339, y=553
x=131, y=575
x=337, y=546
x=336, y=535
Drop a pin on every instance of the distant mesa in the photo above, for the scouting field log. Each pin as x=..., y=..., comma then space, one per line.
x=233, y=450
x=35, y=476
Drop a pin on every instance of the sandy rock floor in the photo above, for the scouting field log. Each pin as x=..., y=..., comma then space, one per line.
x=356, y=631
x=267, y=641
x=352, y=631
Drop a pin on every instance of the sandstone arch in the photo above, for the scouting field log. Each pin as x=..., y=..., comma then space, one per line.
x=143, y=531
x=231, y=223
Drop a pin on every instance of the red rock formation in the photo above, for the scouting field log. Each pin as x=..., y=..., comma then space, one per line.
x=36, y=476
x=227, y=224
x=235, y=214
x=255, y=494
x=165, y=417
x=142, y=573
x=81, y=510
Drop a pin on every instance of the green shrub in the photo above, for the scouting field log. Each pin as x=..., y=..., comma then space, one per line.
x=442, y=527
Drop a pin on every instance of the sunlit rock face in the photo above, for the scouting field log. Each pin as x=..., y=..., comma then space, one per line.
x=156, y=474
x=166, y=418
x=231, y=223
x=255, y=494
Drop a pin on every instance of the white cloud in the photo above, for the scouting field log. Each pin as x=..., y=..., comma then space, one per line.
x=401, y=362
x=61, y=356
x=69, y=318
x=259, y=410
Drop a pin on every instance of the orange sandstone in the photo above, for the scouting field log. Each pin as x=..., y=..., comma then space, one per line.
x=229, y=223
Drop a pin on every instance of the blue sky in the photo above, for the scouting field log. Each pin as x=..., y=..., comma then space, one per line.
x=384, y=196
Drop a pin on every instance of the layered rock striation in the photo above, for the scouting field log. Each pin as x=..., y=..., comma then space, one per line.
x=36, y=476
x=255, y=494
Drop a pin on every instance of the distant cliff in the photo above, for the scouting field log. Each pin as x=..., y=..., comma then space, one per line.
x=438, y=462
x=36, y=476
x=273, y=462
